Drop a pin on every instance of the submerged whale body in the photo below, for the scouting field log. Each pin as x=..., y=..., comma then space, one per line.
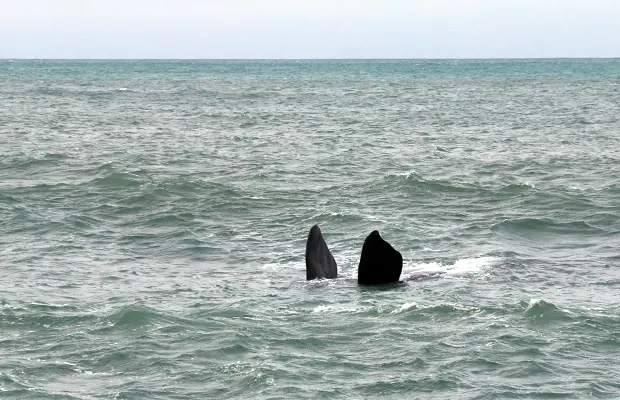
x=320, y=262
x=380, y=263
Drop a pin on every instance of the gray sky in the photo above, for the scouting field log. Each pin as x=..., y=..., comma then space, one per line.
x=309, y=29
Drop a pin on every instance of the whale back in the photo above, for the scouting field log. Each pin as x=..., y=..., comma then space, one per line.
x=320, y=262
x=380, y=263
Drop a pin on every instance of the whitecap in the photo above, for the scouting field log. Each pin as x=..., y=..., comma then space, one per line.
x=534, y=302
x=407, y=174
x=405, y=307
x=329, y=309
x=279, y=266
x=471, y=265
x=465, y=266
x=322, y=308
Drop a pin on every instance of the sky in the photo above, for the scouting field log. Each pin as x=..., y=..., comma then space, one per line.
x=295, y=29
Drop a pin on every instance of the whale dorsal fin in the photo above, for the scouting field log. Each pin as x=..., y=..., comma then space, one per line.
x=379, y=263
x=320, y=262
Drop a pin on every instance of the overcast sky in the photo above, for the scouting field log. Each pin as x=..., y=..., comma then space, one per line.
x=309, y=28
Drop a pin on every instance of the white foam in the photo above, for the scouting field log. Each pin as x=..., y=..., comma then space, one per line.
x=472, y=265
x=327, y=309
x=406, y=175
x=465, y=266
x=533, y=303
x=322, y=309
x=279, y=266
x=405, y=307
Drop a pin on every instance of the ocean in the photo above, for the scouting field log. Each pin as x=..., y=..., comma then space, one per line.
x=154, y=215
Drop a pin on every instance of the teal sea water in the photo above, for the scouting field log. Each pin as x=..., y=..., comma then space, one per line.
x=153, y=219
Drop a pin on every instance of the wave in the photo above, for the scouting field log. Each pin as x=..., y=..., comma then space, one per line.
x=334, y=217
x=541, y=310
x=436, y=309
x=535, y=310
x=329, y=309
x=132, y=317
x=36, y=315
x=402, y=387
x=6, y=199
x=82, y=90
x=518, y=188
x=544, y=225
x=135, y=317
x=181, y=187
x=412, y=180
x=28, y=162
x=461, y=267
x=117, y=180
x=406, y=307
x=375, y=309
x=82, y=222
x=41, y=315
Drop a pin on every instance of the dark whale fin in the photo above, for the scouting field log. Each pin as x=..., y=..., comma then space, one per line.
x=320, y=262
x=380, y=263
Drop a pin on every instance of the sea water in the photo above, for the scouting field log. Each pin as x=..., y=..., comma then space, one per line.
x=153, y=219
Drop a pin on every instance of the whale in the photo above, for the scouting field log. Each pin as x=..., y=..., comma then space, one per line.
x=320, y=262
x=379, y=263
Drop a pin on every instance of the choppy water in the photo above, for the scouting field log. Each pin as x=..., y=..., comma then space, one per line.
x=153, y=218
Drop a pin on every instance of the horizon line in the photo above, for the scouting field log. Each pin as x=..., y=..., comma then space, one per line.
x=305, y=59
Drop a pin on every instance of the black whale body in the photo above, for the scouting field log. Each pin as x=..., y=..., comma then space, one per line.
x=380, y=263
x=320, y=262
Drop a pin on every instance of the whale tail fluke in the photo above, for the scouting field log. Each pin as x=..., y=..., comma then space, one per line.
x=320, y=262
x=380, y=263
